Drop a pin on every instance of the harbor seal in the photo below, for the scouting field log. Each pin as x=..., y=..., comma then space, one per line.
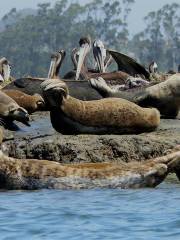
x=30, y=103
x=72, y=116
x=37, y=174
x=164, y=96
x=10, y=111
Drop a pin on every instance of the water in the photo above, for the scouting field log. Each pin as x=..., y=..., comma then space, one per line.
x=91, y=214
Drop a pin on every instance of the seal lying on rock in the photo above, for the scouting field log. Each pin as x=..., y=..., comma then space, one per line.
x=35, y=174
x=164, y=96
x=30, y=103
x=10, y=110
x=113, y=115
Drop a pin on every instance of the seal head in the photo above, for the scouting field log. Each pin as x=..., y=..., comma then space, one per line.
x=10, y=110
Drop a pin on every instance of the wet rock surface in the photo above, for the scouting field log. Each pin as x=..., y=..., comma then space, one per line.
x=41, y=141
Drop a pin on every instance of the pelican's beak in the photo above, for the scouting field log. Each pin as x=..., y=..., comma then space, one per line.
x=84, y=49
x=6, y=71
x=52, y=68
x=99, y=55
x=61, y=56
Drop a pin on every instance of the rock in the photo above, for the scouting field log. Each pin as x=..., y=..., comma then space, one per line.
x=40, y=141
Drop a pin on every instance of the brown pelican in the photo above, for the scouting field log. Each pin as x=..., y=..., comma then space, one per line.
x=84, y=71
x=30, y=85
x=155, y=76
x=79, y=89
x=129, y=65
x=153, y=67
x=126, y=65
x=101, y=55
x=56, y=61
x=78, y=56
x=5, y=69
x=85, y=46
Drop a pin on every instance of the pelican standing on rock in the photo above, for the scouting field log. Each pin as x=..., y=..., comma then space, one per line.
x=153, y=67
x=55, y=65
x=5, y=69
x=102, y=57
x=127, y=67
x=85, y=46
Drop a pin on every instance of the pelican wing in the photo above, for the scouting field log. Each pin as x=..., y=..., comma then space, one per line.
x=128, y=64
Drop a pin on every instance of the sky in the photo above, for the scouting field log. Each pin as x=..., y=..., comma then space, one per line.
x=140, y=9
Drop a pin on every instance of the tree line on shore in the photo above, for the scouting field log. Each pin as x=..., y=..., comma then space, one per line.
x=28, y=39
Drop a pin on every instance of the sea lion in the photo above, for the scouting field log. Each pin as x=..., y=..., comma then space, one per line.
x=36, y=174
x=30, y=103
x=72, y=116
x=164, y=96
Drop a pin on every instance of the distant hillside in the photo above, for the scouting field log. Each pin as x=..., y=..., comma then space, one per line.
x=11, y=17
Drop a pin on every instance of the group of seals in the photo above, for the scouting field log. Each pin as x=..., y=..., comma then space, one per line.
x=105, y=116
x=164, y=96
x=28, y=102
x=31, y=103
x=33, y=174
x=10, y=110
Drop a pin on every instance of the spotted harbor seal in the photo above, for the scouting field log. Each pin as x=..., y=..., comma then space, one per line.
x=30, y=103
x=36, y=174
x=72, y=116
x=164, y=96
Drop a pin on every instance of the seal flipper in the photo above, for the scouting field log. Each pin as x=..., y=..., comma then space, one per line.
x=101, y=87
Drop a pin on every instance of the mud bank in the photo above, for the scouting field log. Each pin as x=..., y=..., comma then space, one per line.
x=40, y=141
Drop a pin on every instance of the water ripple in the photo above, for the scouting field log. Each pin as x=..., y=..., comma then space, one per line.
x=91, y=214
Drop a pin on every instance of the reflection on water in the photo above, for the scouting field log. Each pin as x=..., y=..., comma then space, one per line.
x=91, y=214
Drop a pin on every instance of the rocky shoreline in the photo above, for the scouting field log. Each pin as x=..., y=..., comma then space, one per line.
x=40, y=141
